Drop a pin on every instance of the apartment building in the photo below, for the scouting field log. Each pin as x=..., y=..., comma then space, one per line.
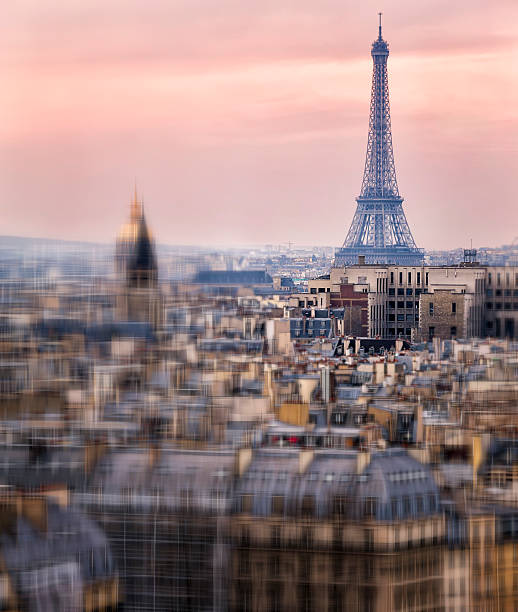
x=402, y=300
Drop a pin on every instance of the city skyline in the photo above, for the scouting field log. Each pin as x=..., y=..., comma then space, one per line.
x=264, y=121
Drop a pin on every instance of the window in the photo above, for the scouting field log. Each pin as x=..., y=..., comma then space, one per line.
x=391, y=291
x=489, y=278
x=419, y=278
x=394, y=505
x=401, y=304
x=401, y=291
x=392, y=317
x=392, y=304
x=408, y=331
x=410, y=278
x=244, y=564
x=245, y=536
x=426, y=279
x=454, y=307
x=278, y=504
x=453, y=331
x=431, y=503
x=392, y=278
x=430, y=308
x=275, y=535
x=431, y=332
x=498, y=279
x=401, y=278
x=410, y=304
x=370, y=507
x=369, y=539
x=401, y=317
x=339, y=505
x=410, y=292
x=308, y=503
x=246, y=503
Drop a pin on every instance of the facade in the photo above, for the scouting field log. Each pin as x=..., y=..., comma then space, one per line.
x=333, y=530
x=379, y=231
x=356, y=309
x=52, y=557
x=501, y=304
x=416, y=302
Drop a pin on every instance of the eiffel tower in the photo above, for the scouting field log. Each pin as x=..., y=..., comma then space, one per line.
x=379, y=231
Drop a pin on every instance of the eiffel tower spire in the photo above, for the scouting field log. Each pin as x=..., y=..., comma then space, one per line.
x=379, y=230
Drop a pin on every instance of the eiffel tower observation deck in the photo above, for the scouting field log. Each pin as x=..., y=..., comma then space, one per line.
x=379, y=230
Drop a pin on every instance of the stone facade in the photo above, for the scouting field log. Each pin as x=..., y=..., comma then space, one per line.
x=443, y=314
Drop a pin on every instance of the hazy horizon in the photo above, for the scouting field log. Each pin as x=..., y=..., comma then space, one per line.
x=247, y=124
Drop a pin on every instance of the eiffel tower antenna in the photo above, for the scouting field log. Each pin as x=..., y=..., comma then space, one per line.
x=379, y=230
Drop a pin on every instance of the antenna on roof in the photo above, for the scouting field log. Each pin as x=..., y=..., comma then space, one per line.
x=380, y=14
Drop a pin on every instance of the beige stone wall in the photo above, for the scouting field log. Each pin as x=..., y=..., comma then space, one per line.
x=436, y=312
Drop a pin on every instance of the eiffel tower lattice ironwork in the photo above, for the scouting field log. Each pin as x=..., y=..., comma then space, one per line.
x=379, y=230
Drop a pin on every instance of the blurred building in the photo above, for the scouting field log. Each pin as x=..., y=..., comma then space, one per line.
x=52, y=557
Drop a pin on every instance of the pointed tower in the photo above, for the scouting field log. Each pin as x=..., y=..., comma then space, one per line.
x=139, y=297
x=141, y=269
x=134, y=251
x=379, y=231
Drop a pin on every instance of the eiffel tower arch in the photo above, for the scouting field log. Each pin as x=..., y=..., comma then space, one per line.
x=379, y=231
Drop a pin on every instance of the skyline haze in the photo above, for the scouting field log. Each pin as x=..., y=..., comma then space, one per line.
x=249, y=124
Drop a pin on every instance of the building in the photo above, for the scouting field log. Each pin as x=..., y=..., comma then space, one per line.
x=53, y=557
x=139, y=297
x=336, y=530
x=415, y=302
x=501, y=305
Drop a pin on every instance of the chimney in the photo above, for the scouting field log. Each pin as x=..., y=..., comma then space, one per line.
x=420, y=424
x=480, y=444
x=153, y=455
x=362, y=461
x=243, y=460
x=93, y=453
x=305, y=458
x=34, y=509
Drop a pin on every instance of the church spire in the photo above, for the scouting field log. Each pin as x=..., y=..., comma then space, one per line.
x=136, y=208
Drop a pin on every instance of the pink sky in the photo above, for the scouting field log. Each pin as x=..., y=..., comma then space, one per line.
x=246, y=122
